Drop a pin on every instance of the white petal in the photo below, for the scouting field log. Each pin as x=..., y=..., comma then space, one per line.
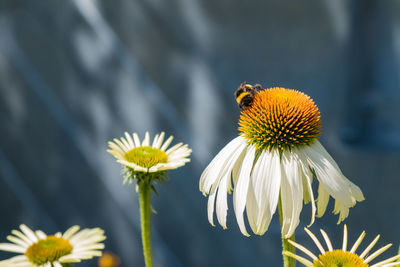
x=210, y=208
x=265, y=187
x=19, y=260
x=146, y=140
x=171, y=150
x=322, y=200
x=18, y=241
x=22, y=236
x=12, y=248
x=222, y=203
x=136, y=140
x=307, y=178
x=329, y=174
x=28, y=232
x=155, y=140
x=343, y=211
x=121, y=145
x=291, y=193
x=126, y=143
x=71, y=231
x=116, y=148
x=159, y=140
x=252, y=208
x=40, y=234
x=242, y=185
x=130, y=140
x=132, y=165
x=213, y=171
x=167, y=143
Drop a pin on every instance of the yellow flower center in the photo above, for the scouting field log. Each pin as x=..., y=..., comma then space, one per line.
x=280, y=118
x=146, y=156
x=48, y=250
x=339, y=258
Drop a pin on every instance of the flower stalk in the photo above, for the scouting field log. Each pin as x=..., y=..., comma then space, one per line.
x=286, y=246
x=147, y=162
x=144, y=202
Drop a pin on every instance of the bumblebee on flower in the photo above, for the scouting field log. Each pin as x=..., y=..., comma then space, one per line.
x=274, y=160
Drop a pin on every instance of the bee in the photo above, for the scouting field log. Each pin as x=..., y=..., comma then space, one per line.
x=245, y=94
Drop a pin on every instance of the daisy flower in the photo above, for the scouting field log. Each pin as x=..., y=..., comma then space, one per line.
x=274, y=159
x=142, y=159
x=147, y=163
x=342, y=257
x=40, y=250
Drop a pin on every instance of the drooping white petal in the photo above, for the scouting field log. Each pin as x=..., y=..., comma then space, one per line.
x=264, y=190
x=242, y=185
x=210, y=208
x=329, y=174
x=222, y=203
x=252, y=208
x=322, y=200
x=307, y=178
x=342, y=210
x=212, y=173
x=291, y=193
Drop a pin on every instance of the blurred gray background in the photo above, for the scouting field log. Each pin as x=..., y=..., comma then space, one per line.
x=77, y=73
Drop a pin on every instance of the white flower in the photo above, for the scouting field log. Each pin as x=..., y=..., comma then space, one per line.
x=141, y=157
x=41, y=250
x=342, y=257
x=276, y=156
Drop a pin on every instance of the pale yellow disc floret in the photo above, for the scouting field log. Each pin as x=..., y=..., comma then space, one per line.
x=146, y=156
x=48, y=250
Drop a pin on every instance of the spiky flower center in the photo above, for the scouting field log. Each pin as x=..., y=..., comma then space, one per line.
x=146, y=156
x=280, y=118
x=48, y=250
x=339, y=258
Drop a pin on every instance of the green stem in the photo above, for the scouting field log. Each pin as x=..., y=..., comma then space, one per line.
x=144, y=202
x=287, y=261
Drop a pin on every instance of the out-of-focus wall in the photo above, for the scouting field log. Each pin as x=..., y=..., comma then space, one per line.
x=75, y=74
